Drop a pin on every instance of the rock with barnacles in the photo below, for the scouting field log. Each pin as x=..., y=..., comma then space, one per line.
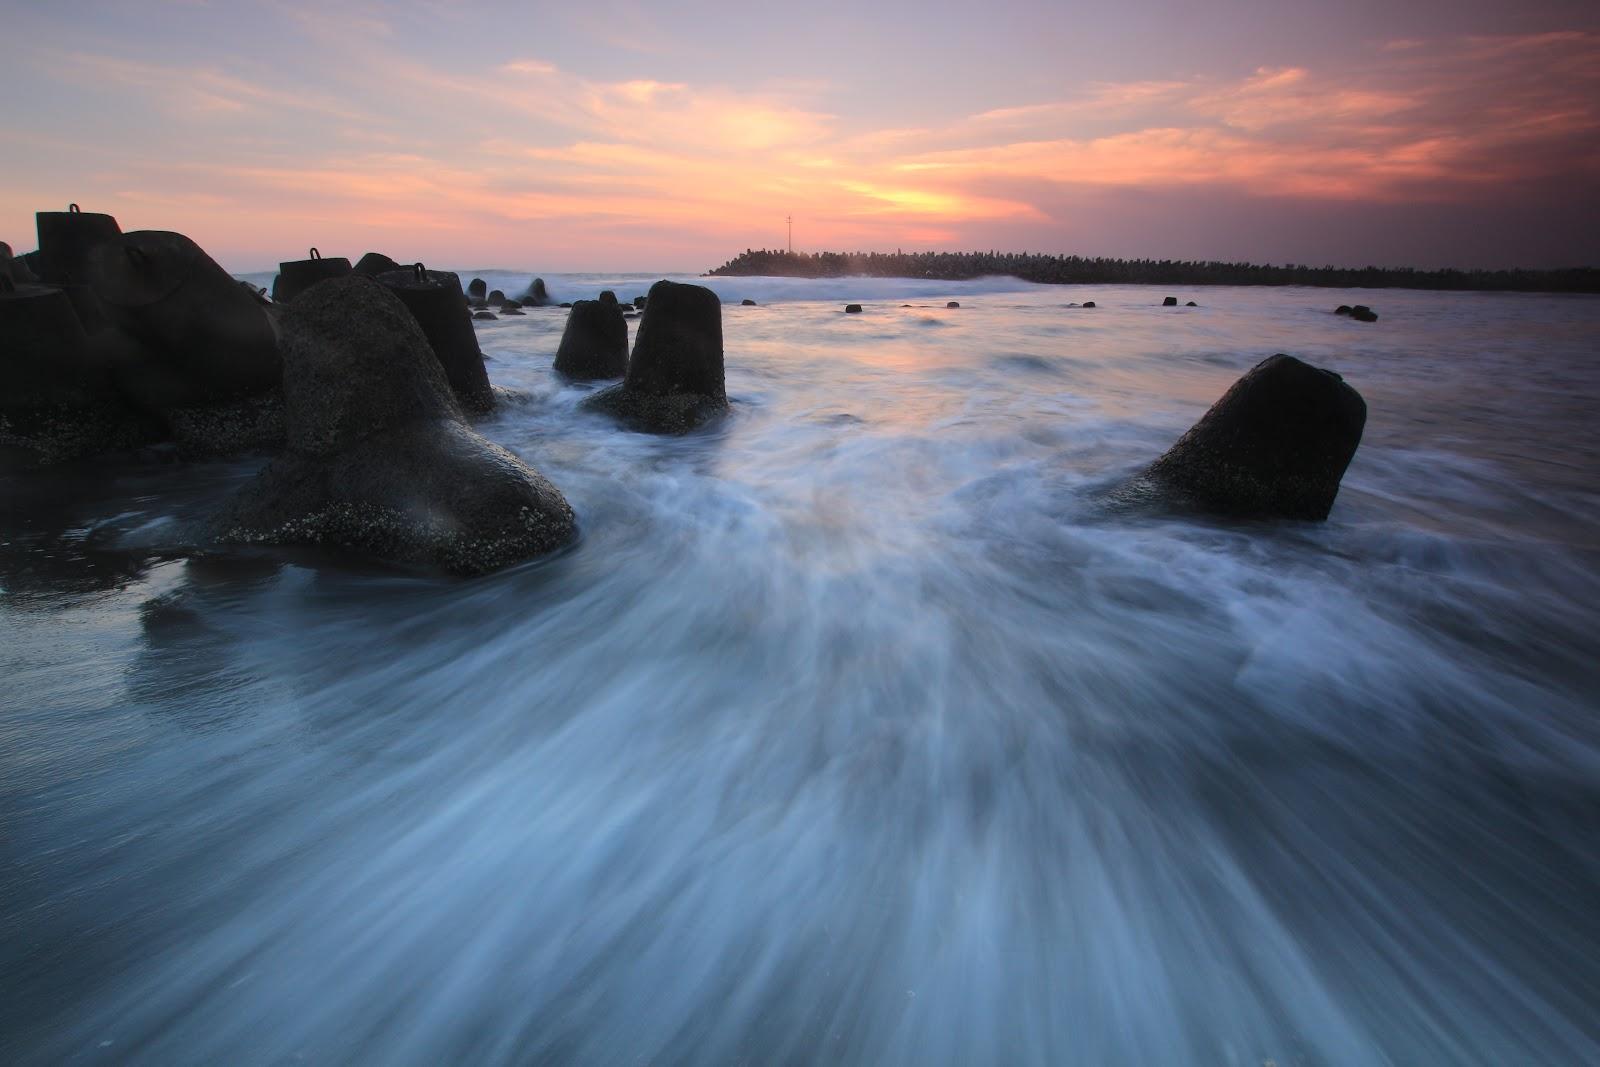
x=379, y=458
x=1275, y=446
x=675, y=376
x=595, y=342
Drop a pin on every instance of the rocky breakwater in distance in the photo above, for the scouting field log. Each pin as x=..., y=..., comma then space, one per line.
x=1276, y=445
x=675, y=377
x=380, y=459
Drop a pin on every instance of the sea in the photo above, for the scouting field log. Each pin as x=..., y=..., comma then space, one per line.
x=865, y=726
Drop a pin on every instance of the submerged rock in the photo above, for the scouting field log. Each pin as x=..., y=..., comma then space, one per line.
x=435, y=300
x=1362, y=313
x=297, y=275
x=488, y=316
x=747, y=302
x=536, y=294
x=675, y=377
x=379, y=457
x=1343, y=309
x=595, y=341
x=852, y=309
x=1275, y=445
x=1089, y=303
x=1191, y=304
x=953, y=304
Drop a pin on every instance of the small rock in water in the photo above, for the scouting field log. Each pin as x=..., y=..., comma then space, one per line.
x=566, y=304
x=1362, y=313
x=481, y=315
x=639, y=302
x=1191, y=304
x=953, y=304
x=477, y=290
x=852, y=309
x=1170, y=302
x=510, y=311
x=1343, y=309
x=1088, y=303
x=496, y=296
x=747, y=302
x=1275, y=446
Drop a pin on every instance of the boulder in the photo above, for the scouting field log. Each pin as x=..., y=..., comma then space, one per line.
x=607, y=296
x=595, y=341
x=65, y=240
x=485, y=316
x=511, y=305
x=852, y=309
x=375, y=263
x=1342, y=309
x=478, y=291
x=747, y=302
x=191, y=334
x=638, y=303
x=56, y=399
x=565, y=304
x=434, y=299
x=297, y=275
x=1088, y=303
x=953, y=304
x=1362, y=313
x=1191, y=304
x=1170, y=302
x=675, y=377
x=379, y=459
x=1275, y=446
x=511, y=310
x=536, y=295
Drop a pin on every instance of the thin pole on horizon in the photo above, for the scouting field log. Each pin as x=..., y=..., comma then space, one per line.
x=790, y=221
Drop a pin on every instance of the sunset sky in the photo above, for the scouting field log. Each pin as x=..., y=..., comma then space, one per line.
x=624, y=136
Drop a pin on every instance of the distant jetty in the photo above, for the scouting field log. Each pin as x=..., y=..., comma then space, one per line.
x=1080, y=270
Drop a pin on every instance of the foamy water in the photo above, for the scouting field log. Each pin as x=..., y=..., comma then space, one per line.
x=858, y=729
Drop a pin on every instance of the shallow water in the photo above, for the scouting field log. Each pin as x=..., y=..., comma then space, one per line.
x=858, y=729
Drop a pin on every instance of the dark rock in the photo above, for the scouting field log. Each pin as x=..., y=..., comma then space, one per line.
x=478, y=307
x=1089, y=303
x=510, y=305
x=675, y=377
x=379, y=459
x=595, y=341
x=852, y=309
x=1362, y=313
x=254, y=424
x=485, y=315
x=65, y=240
x=191, y=334
x=953, y=304
x=607, y=296
x=566, y=304
x=1191, y=304
x=496, y=296
x=1343, y=309
x=375, y=263
x=1275, y=445
x=434, y=299
x=638, y=303
x=297, y=275
x=747, y=302
x=536, y=295
x=477, y=290
x=509, y=310
x=56, y=400
x=1170, y=302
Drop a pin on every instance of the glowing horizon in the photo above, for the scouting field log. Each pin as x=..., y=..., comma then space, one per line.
x=607, y=139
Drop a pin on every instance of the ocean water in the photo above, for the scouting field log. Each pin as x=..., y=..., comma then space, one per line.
x=860, y=728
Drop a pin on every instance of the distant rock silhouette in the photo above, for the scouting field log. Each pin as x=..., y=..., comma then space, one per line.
x=477, y=290
x=1362, y=313
x=747, y=302
x=537, y=295
x=953, y=304
x=373, y=264
x=1089, y=303
x=298, y=275
x=1170, y=302
x=852, y=309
